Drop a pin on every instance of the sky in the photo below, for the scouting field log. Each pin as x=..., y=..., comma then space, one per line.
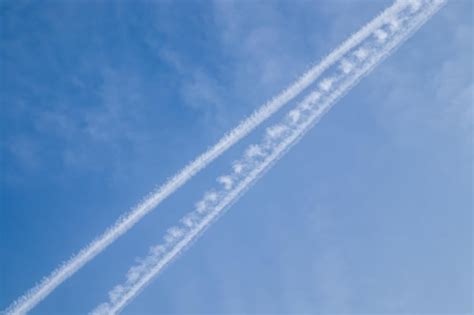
x=102, y=101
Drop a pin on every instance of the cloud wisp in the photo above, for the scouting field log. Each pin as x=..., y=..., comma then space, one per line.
x=35, y=295
x=278, y=139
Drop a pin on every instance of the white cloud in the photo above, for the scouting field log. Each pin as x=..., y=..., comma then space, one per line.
x=226, y=181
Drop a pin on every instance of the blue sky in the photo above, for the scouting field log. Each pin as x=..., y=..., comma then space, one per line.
x=370, y=213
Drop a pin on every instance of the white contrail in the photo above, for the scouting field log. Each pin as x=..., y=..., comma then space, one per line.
x=279, y=138
x=125, y=222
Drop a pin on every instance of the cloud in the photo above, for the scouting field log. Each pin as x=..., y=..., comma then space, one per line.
x=255, y=43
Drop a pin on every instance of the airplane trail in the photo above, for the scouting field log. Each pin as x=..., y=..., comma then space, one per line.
x=39, y=292
x=278, y=139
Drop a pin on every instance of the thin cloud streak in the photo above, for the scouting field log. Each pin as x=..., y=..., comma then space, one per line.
x=278, y=139
x=35, y=295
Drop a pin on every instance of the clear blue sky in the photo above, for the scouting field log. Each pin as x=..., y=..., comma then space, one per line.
x=101, y=100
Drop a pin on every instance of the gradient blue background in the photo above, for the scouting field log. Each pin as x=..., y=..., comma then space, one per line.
x=100, y=101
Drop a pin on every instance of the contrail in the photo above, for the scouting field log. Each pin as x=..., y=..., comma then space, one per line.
x=125, y=222
x=278, y=139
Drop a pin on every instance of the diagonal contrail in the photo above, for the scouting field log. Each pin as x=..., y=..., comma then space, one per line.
x=279, y=138
x=127, y=221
